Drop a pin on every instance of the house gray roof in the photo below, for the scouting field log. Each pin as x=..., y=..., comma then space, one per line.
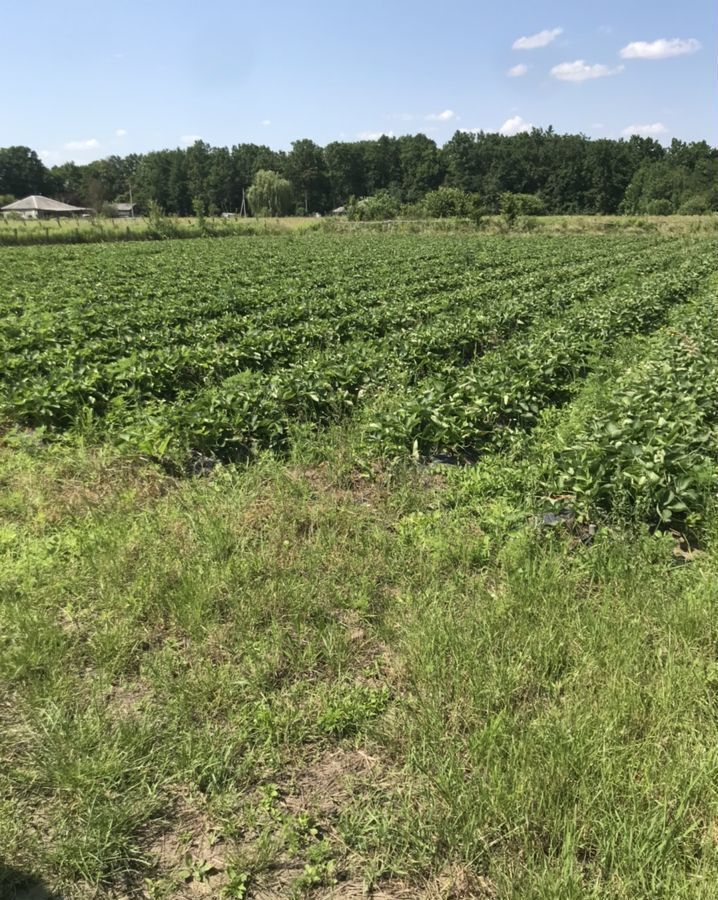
x=124, y=207
x=37, y=201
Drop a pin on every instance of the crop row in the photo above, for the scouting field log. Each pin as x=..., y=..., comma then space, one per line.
x=96, y=352
x=253, y=410
x=221, y=347
x=54, y=388
x=648, y=447
x=506, y=389
x=97, y=309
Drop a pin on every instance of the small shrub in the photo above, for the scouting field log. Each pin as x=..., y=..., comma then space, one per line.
x=659, y=208
x=379, y=207
x=451, y=202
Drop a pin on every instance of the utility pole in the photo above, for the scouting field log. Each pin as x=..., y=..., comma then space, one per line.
x=132, y=205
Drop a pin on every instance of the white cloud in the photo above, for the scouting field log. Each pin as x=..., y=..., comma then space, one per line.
x=373, y=135
x=89, y=144
x=660, y=49
x=652, y=130
x=446, y=116
x=517, y=71
x=188, y=139
x=581, y=71
x=542, y=39
x=121, y=132
x=514, y=125
x=266, y=122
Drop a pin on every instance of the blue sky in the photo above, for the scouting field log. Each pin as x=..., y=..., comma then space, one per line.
x=86, y=79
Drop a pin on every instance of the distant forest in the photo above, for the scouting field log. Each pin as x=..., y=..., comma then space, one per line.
x=568, y=173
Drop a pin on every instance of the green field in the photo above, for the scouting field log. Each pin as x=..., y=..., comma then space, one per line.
x=356, y=563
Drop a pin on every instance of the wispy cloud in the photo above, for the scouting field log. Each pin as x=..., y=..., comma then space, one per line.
x=373, y=135
x=188, y=139
x=534, y=41
x=514, y=125
x=266, y=122
x=446, y=116
x=653, y=130
x=517, y=71
x=660, y=49
x=89, y=144
x=121, y=132
x=581, y=71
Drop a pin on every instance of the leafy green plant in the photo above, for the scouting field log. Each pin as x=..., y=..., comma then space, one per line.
x=649, y=453
x=198, y=870
x=379, y=207
x=238, y=885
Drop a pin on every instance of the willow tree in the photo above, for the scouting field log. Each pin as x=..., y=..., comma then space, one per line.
x=269, y=194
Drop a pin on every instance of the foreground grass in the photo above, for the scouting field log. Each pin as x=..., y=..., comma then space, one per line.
x=296, y=679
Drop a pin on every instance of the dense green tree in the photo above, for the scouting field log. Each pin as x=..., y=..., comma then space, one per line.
x=270, y=194
x=421, y=166
x=152, y=179
x=197, y=165
x=683, y=177
x=460, y=157
x=307, y=173
x=346, y=170
x=383, y=165
x=608, y=172
x=179, y=201
x=113, y=173
x=247, y=160
x=220, y=185
x=22, y=172
x=68, y=183
x=569, y=172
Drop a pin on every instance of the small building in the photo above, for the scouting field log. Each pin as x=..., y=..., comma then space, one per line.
x=124, y=210
x=38, y=207
x=339, y=211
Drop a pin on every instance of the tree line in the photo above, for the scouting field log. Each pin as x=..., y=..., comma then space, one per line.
x=566, y=173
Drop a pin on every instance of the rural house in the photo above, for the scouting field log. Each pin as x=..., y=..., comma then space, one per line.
x=38, y=207
x=124, y=210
